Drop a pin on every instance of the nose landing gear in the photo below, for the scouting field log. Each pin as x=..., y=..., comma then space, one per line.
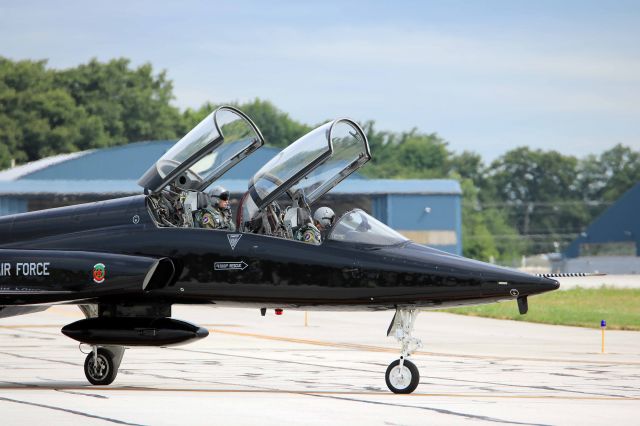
x=402, y=375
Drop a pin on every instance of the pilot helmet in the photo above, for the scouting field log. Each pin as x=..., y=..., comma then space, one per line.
x=218, y=193
x=324, y=216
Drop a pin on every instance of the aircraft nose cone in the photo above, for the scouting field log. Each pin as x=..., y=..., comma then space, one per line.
x=551, y=284
x=537, y=285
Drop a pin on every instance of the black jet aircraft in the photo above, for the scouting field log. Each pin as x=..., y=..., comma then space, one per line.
x=126, y=261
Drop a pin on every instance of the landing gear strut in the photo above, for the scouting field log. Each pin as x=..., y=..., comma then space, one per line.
x=402, y=375
x=101, y=365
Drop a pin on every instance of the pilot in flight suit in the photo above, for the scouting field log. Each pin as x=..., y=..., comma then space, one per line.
x=306, y=231
x=323, y=219
x=218, y=215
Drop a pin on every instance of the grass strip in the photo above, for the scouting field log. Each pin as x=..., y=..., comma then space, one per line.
x=580, y=307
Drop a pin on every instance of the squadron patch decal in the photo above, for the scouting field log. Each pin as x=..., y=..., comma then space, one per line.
x=233, y=240
x=99, y=273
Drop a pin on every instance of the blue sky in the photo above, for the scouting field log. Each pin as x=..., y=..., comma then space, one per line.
x=486, y=76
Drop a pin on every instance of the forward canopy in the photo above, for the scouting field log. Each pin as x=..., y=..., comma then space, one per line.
x=216, y=144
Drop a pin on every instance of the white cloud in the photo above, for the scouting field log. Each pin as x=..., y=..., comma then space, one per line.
x=508, y=84
x=397, y=47
x=509, y=72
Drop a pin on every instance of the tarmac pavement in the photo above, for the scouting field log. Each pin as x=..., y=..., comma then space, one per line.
x=274, y=370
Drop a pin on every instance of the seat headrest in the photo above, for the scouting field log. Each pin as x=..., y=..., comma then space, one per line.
x=304, y=217
x=203, y=200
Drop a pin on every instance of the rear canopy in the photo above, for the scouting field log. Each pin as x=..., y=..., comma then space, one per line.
x=313, y=164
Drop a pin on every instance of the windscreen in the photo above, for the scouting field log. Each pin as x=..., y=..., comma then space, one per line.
x=350, y=152
x=357, y=226
x=285, y=168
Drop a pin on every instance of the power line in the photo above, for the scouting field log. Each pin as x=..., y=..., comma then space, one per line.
x=539, y=203
x=518, y=236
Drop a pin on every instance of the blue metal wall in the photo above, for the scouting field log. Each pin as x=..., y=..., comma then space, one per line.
x=12, y=205
x=619, y=223
x=129, y=162
x=379, y=205
x=421, y=212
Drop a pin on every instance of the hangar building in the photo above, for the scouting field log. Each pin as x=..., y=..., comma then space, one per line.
x=427, y=211
x=611, y=244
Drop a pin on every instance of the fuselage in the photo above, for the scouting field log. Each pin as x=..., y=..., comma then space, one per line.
x=231, y=268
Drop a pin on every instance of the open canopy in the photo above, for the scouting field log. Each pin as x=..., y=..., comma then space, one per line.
x=216, y=144
x=313, y=164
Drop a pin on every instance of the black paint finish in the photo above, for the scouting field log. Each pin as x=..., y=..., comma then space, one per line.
x=127, y=331
x=201, y=266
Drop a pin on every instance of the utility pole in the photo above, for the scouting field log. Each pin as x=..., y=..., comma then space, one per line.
x=527, y=216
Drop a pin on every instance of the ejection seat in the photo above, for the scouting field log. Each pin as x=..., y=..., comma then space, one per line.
x=295, y=218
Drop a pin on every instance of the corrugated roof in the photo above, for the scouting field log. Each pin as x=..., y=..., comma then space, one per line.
x=115, y=163
x=125, y=162
x=116, y=170
x=237, y=186
x=70, y=187
x=29, y=168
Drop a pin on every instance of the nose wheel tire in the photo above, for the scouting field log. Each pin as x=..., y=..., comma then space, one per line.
x=99, y=368
x=403, y=379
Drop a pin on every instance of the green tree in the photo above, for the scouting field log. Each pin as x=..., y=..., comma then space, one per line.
x=277, y=128
x=37, y=118
x=133, y=104
x=191, y=117
x=45, y=112
x=477, y=240
x=607, y=176
x=469, y=165
x=5, y=157
x=542, y=194
x=486, y=234
x=408, y=155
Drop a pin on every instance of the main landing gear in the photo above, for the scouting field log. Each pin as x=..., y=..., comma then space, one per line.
x=102, y=363
x=402, y=375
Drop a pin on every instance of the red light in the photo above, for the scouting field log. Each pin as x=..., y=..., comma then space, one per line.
x=279, y=311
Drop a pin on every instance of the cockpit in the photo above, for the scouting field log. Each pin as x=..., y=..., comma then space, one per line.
x=176, y=182
x=278, y=196
x=299, y=175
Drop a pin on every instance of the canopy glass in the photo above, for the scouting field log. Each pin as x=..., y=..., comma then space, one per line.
x=313, y=164
x=216, y=144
